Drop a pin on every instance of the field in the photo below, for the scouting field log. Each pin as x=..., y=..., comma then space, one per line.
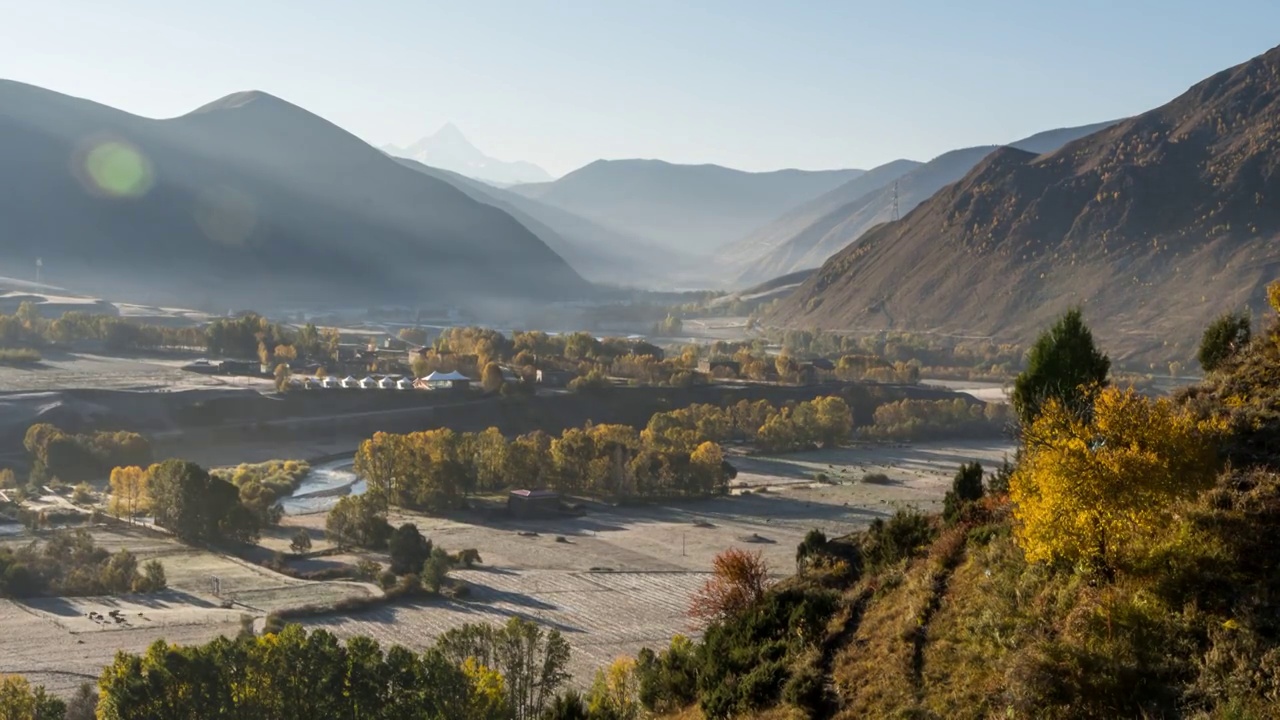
x=620, y=578
x=52, y=640
x=614, y=580
x=62, y=370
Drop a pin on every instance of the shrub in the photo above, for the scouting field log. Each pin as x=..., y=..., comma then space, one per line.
x=906, y=534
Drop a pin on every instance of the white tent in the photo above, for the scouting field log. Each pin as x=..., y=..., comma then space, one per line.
x=368, y=383
x=386, y=383
x=454, y=376
x=404, y=384
x=350, y=382
x=330, y=382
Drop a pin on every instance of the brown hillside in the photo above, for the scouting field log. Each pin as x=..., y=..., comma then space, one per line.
x=1153, y=225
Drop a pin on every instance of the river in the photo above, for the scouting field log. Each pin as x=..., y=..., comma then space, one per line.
x=322, y=487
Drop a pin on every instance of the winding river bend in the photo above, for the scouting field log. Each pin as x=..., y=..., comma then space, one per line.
x=322, y=487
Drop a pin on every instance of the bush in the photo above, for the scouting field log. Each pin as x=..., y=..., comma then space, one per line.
x=408, y=549
x=594, y=381
x=805, y=689
x=906, y=534
x=19, y=356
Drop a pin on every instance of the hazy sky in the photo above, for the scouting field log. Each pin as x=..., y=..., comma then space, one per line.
x=754, y=85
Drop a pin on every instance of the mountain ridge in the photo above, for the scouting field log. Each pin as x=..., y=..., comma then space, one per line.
x=248, y=196
x=825, y=234
x=693, y=208
x=1152, y=225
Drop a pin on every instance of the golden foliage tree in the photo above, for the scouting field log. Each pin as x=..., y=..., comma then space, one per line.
x=615, y=693
x=128, y=491
x=1094, y=489
x=491, y=377
x=738, y=579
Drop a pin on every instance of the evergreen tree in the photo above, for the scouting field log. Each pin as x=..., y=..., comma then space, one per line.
x=408, y=549
x=1224, y=337
x=965, y=488
x=1062, y=364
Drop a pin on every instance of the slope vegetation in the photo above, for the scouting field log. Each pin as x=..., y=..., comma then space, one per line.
x=693, y=208
x=807, y=237
x=1153, y=225
x=246, y=200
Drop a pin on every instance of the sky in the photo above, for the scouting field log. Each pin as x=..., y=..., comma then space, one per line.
x=752, y=85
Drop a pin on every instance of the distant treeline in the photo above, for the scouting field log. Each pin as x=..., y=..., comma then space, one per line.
x=69, y=564
x=72, y=458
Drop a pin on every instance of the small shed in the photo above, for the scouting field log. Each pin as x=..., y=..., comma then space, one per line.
x=533, y=503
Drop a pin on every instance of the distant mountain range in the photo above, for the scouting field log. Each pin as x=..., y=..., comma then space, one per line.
x=1153, y=225
x=449, y=149
x=692, y=209
x=599, y=253
x=249, y=200
x=805, y=237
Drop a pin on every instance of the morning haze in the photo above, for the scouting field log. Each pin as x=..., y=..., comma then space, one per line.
x=564, y=361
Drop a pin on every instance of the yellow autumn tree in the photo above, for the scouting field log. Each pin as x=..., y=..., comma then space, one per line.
x=488, y=690
x=1094, y=489
x=128, y=491
x=1273, y=295
x=615, y=693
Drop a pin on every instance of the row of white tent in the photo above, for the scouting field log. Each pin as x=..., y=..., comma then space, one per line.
x=386, y=382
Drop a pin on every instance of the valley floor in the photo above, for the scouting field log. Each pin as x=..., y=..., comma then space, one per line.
x=619, y=580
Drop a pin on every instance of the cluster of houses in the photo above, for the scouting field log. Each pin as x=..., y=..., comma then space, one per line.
x=434, y=381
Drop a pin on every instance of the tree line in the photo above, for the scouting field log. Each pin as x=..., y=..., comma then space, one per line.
x=69, y=564
x=72, y=458
x=475, y=672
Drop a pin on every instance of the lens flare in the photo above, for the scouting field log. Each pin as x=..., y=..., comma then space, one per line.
x=117, y=169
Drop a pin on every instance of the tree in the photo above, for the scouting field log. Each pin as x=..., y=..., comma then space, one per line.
x=615, y=691
x=414, y=335
x=152, y=578
x=436, y=569
x=738, y=579
x=197, y=507
x=1062, y=365
x=533, y=661
x=408, y=549
x=128, y=491
x=966, y=487
x=708, y=470
x=83, y=704
x=1227, y=335
x=19, y=700
x=491, y=377
x=356, y=522
x=282, y=376
x=567, y=706
x=1095, y=489
x=813, y=546
x=301, y=542
x=285, y=353
x=832, y=420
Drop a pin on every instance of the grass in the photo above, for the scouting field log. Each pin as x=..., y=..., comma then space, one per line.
x=19, y=356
